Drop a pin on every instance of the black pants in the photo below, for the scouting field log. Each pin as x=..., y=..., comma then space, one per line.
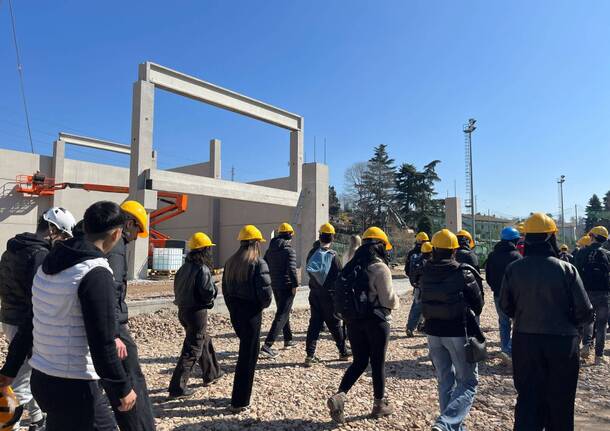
x=545, y=372
x=246, y=318
x=70, y=404
x=321, y=308
x=141, y=417
x=197, y=348
x=281, y=322
x=369, y=340
x=597, y=329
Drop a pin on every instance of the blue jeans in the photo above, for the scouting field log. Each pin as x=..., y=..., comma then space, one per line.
x=415, y=311
x=457, y=380
x=505, y=326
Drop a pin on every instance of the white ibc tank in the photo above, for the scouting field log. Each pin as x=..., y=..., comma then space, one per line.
x=167, y=259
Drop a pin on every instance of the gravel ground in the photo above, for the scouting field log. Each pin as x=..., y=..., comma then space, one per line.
x=288, y=396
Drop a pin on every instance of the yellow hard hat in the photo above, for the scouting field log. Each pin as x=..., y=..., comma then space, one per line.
x=250, y=233
x=540, y=223
x=200, y=240
x=138, y=212
x=327, y=228
x=466, y=234
x=285, y=228
x=584, y=241
x=376, y=233
x=426, y=247
x=599, y=231
x=421, y=237
x=445, y=239
x=564, y=247
x=521, y=228
x=10, y=413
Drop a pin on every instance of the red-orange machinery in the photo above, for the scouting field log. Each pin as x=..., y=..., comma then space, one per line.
x=175, y=203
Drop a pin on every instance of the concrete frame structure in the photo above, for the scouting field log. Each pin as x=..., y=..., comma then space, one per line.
x=453, y=214
x=310, y=204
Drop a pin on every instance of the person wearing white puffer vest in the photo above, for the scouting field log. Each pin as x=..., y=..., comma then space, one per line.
x=72, y=335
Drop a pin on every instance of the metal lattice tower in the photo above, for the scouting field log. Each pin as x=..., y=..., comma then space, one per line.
x=470, y=200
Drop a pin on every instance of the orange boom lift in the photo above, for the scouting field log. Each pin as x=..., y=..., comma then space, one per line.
x=174, y=203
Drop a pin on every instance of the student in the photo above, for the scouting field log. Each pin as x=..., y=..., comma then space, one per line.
x=73, y=328
x=23, y=256
x=451, y=298
x=195, y=291
x=465, y=254
x=420, y=238
x=136, y=226
x=323, y=266
x=246, y=287
x=546, y=299
x=354, y=242
x=416, y=272
x=369, y=335
x=282, y=261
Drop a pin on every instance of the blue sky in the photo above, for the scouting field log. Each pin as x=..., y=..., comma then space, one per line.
x=408, y=74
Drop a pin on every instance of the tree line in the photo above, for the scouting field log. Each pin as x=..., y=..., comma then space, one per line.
x=597, y=212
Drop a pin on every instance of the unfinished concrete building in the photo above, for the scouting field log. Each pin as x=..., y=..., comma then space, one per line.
x=216, y=206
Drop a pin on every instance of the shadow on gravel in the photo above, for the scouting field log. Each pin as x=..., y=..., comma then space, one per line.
x=228, y=424
x=188, y=407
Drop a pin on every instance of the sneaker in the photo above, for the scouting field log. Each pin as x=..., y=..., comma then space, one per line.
x=268, y=352
x=381, y=408
x=600, y=360
x=346, y=355
x=211, y=382
x=507, y=361
x=38, y=425
x=585, y=354
x=237, y=410
x=336, y=406
x=311, y=360
x=437, y=428
x=410, y=333
x=289, y=344
x=178, y=396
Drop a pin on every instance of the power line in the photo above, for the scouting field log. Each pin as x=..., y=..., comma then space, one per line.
x=20, y=70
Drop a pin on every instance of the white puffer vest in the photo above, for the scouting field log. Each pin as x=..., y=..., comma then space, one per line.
x=60, y=341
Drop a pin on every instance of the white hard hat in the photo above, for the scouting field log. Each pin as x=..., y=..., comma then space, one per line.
x=60, y=218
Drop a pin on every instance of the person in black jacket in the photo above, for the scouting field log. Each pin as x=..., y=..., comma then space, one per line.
x=420, y=238
x=136, y=226
x=282, y=261
x=23, y=256
x=320, y=296
x=414, y=319
x=504, y=253
x=546, y=299
x=465, y=254
x=451, y=298
x=73, y=328
x=593, y=263
x=195, y=292
x=565, y=255
x=246, y=287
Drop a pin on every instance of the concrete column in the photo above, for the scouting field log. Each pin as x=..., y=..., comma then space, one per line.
x=453, y=214
x=142, y=158
x=59, y=156
x=214, y=216
x=296, y=159
x=314, y=210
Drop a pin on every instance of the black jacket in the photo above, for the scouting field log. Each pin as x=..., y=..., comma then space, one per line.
x=117, y=258
x=544, y=295
x=415, y=249
x=567, y=257
x=194, y=286
x=282, y=261
x=333, y=273
x=257, y=290
x=448, y=290
x=418, y=270
x=97, y=299
x=503, y=254
x=465, y=255
x=587, y=255
x=24, y=254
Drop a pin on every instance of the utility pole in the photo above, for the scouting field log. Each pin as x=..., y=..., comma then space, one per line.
x=470, y=203
x=232, y=173
x=576, y=217
x=560, y=181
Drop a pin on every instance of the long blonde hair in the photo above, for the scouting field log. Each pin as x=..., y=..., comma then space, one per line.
x=237, y=268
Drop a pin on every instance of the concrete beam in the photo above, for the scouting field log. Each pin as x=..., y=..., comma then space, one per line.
x=194, y=88
x=84, y=141
x=216, y=188
x=453, y=214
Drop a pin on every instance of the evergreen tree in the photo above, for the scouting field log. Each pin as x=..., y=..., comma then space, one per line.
x=593, y=213
x=607, y=201
x=424, y=224
x=334, y=206
x=406, y=190
x=379, y=185
x=415, y=191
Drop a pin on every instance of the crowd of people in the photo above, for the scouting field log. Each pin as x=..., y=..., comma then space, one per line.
x=73, y=365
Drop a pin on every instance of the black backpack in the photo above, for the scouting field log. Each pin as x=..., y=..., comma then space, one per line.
x=595, y=272
x=351, y=295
